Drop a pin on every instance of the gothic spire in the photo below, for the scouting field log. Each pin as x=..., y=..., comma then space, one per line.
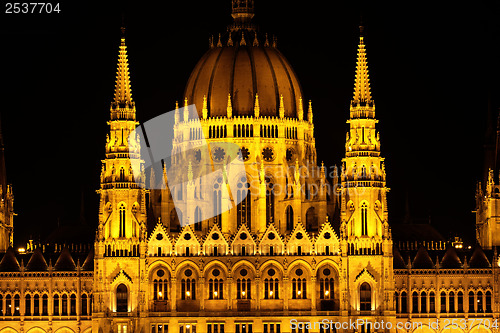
x=123, y=92
x=3, y=176
x=362, y=93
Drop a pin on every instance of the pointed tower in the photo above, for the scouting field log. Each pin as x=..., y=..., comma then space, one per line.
x=364, y=219
x=122, y=210
x=6, y=204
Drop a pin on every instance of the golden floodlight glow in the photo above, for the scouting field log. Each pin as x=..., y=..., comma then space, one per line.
x=21, y=250
x=160, y=293
x=327, y=292
x=188, y=293
x=215, y=293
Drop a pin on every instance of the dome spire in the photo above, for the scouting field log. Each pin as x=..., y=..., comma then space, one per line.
x=123, y=90
x=242, y=13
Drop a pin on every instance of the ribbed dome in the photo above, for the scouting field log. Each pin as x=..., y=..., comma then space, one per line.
x=242, y=68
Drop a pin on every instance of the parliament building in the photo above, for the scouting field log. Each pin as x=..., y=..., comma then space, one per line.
x=276, y=246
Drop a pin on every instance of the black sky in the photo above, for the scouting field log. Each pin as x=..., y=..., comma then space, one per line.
x=432, y=66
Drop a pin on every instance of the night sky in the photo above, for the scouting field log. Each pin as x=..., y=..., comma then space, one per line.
x=433, y=69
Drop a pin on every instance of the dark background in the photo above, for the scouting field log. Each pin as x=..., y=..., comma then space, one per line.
x=433, y=69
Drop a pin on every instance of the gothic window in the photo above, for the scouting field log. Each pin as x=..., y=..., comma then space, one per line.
x=64, y=305
x=121, y=211
x=269, y=200
x=45, y=305
x=17, y=301
x=271, y=285
x=404, y=302
x=299, y=288
x=451, y=297
x=175, y=220
x=414, y=301
x=160, y=286
x=311, y=219
x=122, y=298
x=365, y=297
x=8, y=305
x=36, y=305
x=423, y=302
x=27, y=303
x=243, y=285
x=72, y=305
x=364, y=219
x=443, y=302
x=289, y=218
x=215, y=285
x=83, y=311
x=471, y=302
x=244, y=199
x=122, y=174
x=432, y=302
x=488, y=301
x=480, y=302
x=244, y=328
x=460, y=302
x=188, y=285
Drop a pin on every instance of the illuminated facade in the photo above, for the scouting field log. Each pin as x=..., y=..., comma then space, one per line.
x=298, y=247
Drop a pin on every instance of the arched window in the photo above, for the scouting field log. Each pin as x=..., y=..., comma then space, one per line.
x=122, y=220
x=8, y=305
x=423, y=302
x=64, y=305
x=27, y=303
x=244, y=208
x=36, y=305
x=160, y=285
x=84, y=311
x=480, y=301
x=365, y=297
x=364, y=219
x=175, y=220
x=414, y=302
x=188, y=285
x=122, y=298
x=72, y=305
x=311, y=219
x=471, y=302
x=45, y=305
x=460, y=302
x=243, y=285
x=122, y=174
x=271, y=284
x=451, y=297
x=443, y=302
x=289, y=218
x=215, y=288
x=269, y=201
x=299, y=288
x=17, y=304
x=432, y=302
x=488, y=302
x=404, y=302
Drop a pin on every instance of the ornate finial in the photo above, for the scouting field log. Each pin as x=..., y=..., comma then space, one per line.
x=186, y=110
x=229, y=106
x=256, y=108
x=211, y=42
x=230, y=40
x=255, y=40
x=310, y=113
x=275, y=42
x=205, y=108
x=243, y=42
x=123, y=31
x=219, y=43
x=266, y=41
x=282, y=108
x=300, y=112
